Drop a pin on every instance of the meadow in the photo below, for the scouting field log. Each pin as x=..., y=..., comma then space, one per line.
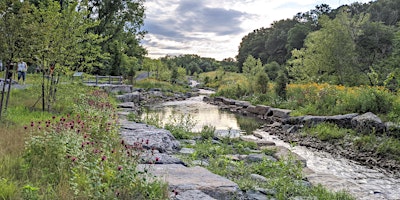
x=72, y=150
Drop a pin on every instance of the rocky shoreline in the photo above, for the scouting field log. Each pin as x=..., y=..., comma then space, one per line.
x=277, y=122
x=287, y=129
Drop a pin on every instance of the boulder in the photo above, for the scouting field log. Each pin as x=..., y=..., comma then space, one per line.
x=243, y=104
x=129, y=97
x=279, y=113
x=313, y=120
x=259, y=158
x=149, y=137
x=262, y=110
x=368, y=123
x=251, y=109
x=343, y=121
x=227, y=101
x=181, y=179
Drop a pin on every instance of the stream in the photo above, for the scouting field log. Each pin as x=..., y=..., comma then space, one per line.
x=333, y=172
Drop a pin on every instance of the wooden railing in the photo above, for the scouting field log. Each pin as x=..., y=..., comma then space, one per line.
x=112, y=80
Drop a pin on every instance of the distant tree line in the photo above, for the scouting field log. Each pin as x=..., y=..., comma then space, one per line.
x=355, y=44
x=94, y=36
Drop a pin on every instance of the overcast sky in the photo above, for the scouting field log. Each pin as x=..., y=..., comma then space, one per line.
x=214, y=28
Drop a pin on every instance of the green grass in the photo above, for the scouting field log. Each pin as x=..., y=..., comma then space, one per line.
x=284, y=176
x=386, y=146
x=51, y=154
x=327, y=131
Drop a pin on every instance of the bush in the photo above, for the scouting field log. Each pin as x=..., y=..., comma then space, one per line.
x=207, y=132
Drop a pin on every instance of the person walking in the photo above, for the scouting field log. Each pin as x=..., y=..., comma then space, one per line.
x=22, y=68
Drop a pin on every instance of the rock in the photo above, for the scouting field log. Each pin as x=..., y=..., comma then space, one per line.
x=275, y=124
x=161, y=158
x=233, y=157
x=242, y=104
x=206, y=99
x=181, y=178
x=251, y=109
x=259, y=158
x=218, y=99
x=192, y=194
x=262, y=110
x=294, y=120
x=368, y=123
x=311, y=121
x=130, y=105
x=116, y=89
x=393, y=129
x=258, y=135
x=191, y=142
x=227, y=101
x=343, y=121
x=303, y=183
x=279, y=113
x=201, y=163
x=129, y=97
x=259, y=178
x=263, y=143
x=291, y=129
x=187, y=151
x=255, y=195
x=149, y=137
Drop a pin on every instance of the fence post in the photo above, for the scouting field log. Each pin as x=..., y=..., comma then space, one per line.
x=97, y=79
x=109, y=80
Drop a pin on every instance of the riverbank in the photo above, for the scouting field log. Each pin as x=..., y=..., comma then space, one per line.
x=373, y=185
x=256, y=170
x=290, y=129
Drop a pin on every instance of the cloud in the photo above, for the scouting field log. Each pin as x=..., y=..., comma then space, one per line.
x=185, y=26
x=211, y=28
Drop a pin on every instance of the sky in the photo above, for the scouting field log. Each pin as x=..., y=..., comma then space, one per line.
x=215, y=28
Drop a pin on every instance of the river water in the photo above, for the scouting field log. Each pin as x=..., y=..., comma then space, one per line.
x=333, y=172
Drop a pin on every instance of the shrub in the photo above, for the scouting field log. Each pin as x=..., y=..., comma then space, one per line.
x=207, y=132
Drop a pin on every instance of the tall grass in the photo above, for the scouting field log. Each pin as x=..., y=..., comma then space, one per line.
x=72, y=152
x=311, y=98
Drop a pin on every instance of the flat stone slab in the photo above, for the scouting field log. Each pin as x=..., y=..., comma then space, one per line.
x=149, y=137
x=192, y=194
x=181, y=179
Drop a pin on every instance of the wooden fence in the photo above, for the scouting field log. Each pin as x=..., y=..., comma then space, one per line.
x=97, y=80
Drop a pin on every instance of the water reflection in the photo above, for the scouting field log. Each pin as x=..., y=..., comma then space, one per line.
x=203, y=114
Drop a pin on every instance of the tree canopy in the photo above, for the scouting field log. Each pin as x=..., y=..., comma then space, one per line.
x=95, y=36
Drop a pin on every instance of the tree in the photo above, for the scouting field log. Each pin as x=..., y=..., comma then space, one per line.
x=281, y=84
x=329, y=53
x=261, y=84
x=272, y=69
x=252, y=66
x=119, y=21
x=14, y=29
x=374, y=44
